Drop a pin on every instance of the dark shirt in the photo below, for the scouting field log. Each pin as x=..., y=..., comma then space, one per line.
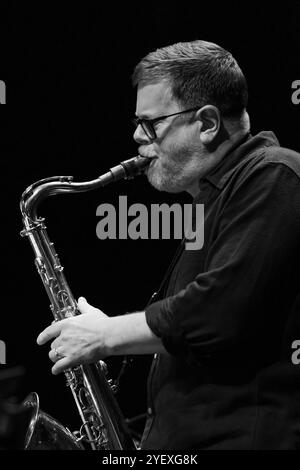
x=232, y=312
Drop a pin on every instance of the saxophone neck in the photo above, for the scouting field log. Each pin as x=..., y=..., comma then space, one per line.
x=37, y=192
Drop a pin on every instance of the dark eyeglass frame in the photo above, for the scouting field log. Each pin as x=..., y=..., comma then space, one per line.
x=148, y=124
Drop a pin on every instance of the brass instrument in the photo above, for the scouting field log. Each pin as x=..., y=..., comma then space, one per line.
x=103, y=425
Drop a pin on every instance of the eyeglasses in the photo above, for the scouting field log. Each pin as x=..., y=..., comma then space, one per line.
x=148, y=124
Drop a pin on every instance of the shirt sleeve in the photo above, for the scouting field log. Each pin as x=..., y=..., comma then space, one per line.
x=259, y=228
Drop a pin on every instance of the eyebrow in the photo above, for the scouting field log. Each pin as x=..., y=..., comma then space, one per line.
x=144, y=116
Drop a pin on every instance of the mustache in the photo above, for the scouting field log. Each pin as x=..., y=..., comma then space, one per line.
x=144, y=152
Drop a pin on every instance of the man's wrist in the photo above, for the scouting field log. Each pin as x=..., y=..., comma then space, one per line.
x=130, y=334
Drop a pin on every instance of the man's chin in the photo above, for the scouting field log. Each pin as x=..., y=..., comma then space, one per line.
x=154, y=181
x=160, y=183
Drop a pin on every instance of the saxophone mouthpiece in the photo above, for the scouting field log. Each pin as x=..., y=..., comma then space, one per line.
x=136, y=165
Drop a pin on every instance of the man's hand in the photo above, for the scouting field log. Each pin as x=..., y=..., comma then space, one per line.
x=79, y=339
x=93, y=336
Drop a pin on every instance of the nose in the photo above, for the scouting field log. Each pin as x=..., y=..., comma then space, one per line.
x=140, y=136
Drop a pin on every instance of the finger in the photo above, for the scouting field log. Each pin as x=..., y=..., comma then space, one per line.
x=61, y=365
x=55, y=343
x=55, y=354
x=50, y=332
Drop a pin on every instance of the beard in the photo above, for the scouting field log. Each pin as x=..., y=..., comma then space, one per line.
x=176, y=170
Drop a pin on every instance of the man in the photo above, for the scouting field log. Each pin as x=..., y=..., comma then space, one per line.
x=223, y=377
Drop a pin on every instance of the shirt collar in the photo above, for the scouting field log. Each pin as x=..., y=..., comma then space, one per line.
x=248, y=144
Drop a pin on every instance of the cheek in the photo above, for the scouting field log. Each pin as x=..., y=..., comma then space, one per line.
x=180, y=141
x=170, y=150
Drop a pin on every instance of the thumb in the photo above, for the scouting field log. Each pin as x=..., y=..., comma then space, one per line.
x=85, y=307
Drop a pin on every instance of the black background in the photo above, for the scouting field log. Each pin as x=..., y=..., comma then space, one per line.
x=67, y=70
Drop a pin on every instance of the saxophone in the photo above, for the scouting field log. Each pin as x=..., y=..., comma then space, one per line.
x=103, y=425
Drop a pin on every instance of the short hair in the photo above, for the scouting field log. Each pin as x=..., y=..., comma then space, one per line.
x=199, y=73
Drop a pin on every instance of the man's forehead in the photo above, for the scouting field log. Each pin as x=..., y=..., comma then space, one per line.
x=154, y=99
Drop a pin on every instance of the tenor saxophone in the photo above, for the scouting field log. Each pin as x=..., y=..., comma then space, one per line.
x=103, y=426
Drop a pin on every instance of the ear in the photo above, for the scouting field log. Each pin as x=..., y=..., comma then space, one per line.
x=210, y=119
